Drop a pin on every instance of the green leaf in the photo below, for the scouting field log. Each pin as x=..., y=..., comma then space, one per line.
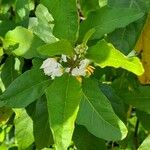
x=124, y=39
x=116, y=102
x=5, y=114
x=41, y=128
x=25, y=89
x=63, y=98
x=104, y=54
x=57, y=48
x=22, y=42
x=139, y=97
x=88, y=5
x=88, y=35
x=83, y=140
x=65, y=18
x=139, y=4
x=22, y=9
x=42, y=25
x=145, y=145
x=106, y=20
x=97, y=115
x=5, y=26
x=23, y=129
x=9, y=73
x=144, y=118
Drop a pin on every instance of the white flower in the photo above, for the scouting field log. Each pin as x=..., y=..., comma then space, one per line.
x=67, y=69
x=63, y=58
x=52, y=68
x=81, y=70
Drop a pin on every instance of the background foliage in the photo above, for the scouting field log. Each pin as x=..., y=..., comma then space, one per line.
x=109, y=109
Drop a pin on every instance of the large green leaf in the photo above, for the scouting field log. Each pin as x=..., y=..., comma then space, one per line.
x=9, y=73
x=25, y=89
x=83, y=140
x=104, y=54
x=65, y=18
x=23, y=129
x=57, y=48
x=63, y=98
x=22, y=42
x=106, y=20
x=97, y=115
x=145, y=145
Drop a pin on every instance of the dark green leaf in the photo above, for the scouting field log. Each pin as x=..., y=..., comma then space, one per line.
x=97, y=115
x=25, y=89
x=106, y=20
x=83, y=140
x=9, y=73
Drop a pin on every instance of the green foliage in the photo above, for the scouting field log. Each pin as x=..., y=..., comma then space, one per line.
x=69, y=75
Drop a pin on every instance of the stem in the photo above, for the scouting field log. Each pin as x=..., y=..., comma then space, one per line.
x=136, y=134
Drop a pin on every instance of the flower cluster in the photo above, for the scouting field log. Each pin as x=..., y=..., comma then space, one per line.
x=54, y=67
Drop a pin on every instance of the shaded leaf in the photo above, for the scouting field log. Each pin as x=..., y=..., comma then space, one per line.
x=83, y=140
x=9, y=73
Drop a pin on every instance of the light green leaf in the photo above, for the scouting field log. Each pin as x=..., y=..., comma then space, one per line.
x=22, y=42
x=83, y=140
x=25, y=89
x=104, y=54
x=63, y=97
x=106, y=20
x=88, y=35
x=57, y=48
x=42, y=25
x=145, y=145
x=23, y=129
x=97, y=115
x=66, y=18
